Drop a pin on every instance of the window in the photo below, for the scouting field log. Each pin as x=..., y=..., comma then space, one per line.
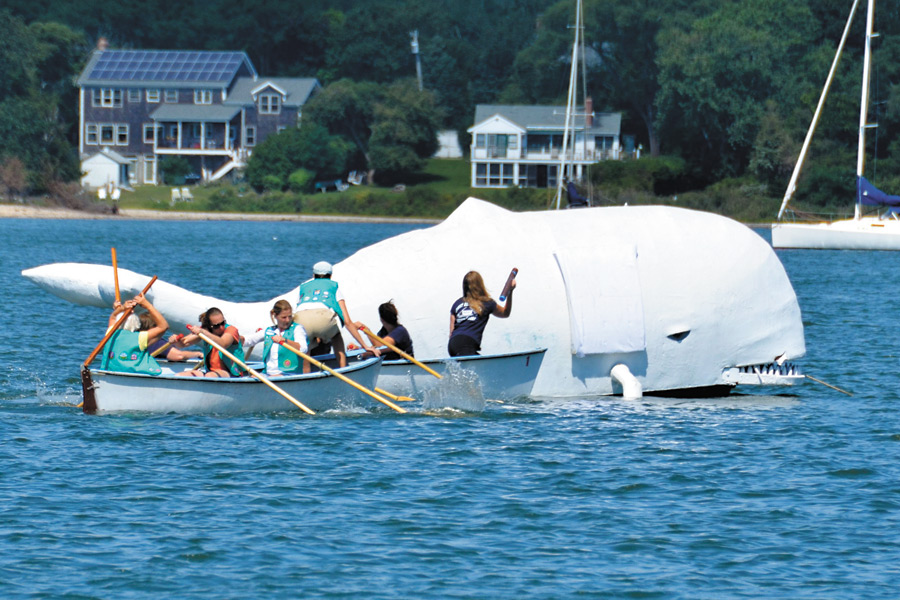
x=151, y=132
x=106, y=97
x=91, y=134
x=280, y=128
x=153, y=95
x=107, y=134
x=203, y=96
x=171, y=96
x=134, y=95
x=480, y=173
x=513, y=142
x=480, y=140
x=269, y=104
x=149, y=169
x=196, y=130
x=251, y=136
x=121, y=135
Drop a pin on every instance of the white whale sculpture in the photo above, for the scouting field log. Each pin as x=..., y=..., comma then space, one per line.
x=683, y=299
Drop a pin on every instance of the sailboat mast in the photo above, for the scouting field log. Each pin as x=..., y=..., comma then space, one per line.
x=789, y=192
x=570, y=108
x=864, y=100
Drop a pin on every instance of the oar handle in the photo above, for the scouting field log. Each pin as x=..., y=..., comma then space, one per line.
x=342, y=377
x=408, y=357
x=258, y=376
x=165, y=346
x=115, y=264
x=118, y=324
x=508, y=285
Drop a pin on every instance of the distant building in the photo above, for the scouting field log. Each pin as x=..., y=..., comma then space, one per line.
x=211, y=108
x=448, y=144
x=521, y=145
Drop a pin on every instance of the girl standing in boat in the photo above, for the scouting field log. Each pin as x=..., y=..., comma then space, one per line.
x=469, y=315
x=126, y=351
x=278, y=360
x=216, y=328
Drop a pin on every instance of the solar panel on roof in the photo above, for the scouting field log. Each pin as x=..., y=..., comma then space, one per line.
x=165, y=65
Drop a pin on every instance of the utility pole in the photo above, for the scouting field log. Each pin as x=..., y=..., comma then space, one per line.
x=414, y=42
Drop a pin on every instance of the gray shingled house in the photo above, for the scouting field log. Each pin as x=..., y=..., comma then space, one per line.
x=212, y=108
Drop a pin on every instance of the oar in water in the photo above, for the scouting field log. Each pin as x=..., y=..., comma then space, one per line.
x=89, y=401
x=408, y=357
x=394, y=397
x=828, y=385
x=253, y=373
x=343, y=378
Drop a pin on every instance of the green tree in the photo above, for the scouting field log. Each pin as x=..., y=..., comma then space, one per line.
x=309, y=147
x=392, y=127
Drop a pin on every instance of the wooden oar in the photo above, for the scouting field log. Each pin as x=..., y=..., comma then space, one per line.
x=89, y=402
x=258, y=376
x=343, y=378
x=378, y=340
x=828, y=385
x=394, y=397
x=116, y=275
x=253, y=373
x=164, y=347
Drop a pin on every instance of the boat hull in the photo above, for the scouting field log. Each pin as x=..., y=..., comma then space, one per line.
x=168, y=393
x=501, y=376
x=867, y=233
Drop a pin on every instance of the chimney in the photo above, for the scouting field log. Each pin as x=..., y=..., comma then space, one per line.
x=102, y=44
x=588, y=112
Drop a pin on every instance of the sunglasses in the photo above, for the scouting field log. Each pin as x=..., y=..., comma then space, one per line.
x=217, y=325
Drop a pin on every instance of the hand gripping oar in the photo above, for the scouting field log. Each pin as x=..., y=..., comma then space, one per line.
x=89, y=402
x=344, y=378
x=258, y=376
x=378, y=340
x=116, y=275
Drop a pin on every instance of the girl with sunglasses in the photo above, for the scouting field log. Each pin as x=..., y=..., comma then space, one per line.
x=216, y=328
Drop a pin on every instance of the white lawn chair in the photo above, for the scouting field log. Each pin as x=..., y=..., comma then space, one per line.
x=176, y=196
x=186, y=194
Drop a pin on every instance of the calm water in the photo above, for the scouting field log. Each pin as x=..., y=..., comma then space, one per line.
x=766, y=494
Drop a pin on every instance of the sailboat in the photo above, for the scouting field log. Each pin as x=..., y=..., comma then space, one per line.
x=878, y=230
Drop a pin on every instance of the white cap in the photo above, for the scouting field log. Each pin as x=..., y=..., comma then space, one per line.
x=322, y=268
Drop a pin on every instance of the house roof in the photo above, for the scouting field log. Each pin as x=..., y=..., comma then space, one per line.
x=110, y=154
x=296, y=90
x=219, y=113
x=166, y=68
x=547, y=117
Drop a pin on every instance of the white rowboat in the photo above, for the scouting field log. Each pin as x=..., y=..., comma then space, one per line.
x=133, y=392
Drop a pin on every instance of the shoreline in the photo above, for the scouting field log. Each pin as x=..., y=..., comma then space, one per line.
x=26, y=211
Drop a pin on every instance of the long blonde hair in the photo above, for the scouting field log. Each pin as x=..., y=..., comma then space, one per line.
x=474, y=292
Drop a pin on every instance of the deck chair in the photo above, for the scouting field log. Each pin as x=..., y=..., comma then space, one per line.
x=176, y=196
x=186, y=194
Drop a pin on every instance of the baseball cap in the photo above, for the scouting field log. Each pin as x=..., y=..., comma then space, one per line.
x=322, y=268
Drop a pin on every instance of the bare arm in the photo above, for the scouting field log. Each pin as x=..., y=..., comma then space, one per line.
x=505, y=310
x=354, y=331
x=155, y=332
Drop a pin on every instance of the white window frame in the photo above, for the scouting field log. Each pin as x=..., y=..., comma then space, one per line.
x=153, y=96
x=122, y=134
x=203, y=96
x=106, y=97
x=171, y=96
x=270, y=104
x=250, y=135
x=152, y=132
x=134, y=95
x=107, y=134
x=149, y=169
x=91, y=134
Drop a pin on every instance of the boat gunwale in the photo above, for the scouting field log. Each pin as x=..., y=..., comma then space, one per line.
x=469, y=358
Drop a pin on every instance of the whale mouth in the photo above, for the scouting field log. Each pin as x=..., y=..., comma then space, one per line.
x=764, y=374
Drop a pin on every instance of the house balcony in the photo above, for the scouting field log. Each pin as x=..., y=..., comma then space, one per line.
x=216, y=146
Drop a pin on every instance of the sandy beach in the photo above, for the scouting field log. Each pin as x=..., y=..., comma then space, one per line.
x=25, y=211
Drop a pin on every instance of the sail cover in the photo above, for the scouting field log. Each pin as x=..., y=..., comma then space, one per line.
x=866, y=193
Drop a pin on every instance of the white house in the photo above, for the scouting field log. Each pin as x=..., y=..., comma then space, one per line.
x=521, y=145
x=106, y=169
